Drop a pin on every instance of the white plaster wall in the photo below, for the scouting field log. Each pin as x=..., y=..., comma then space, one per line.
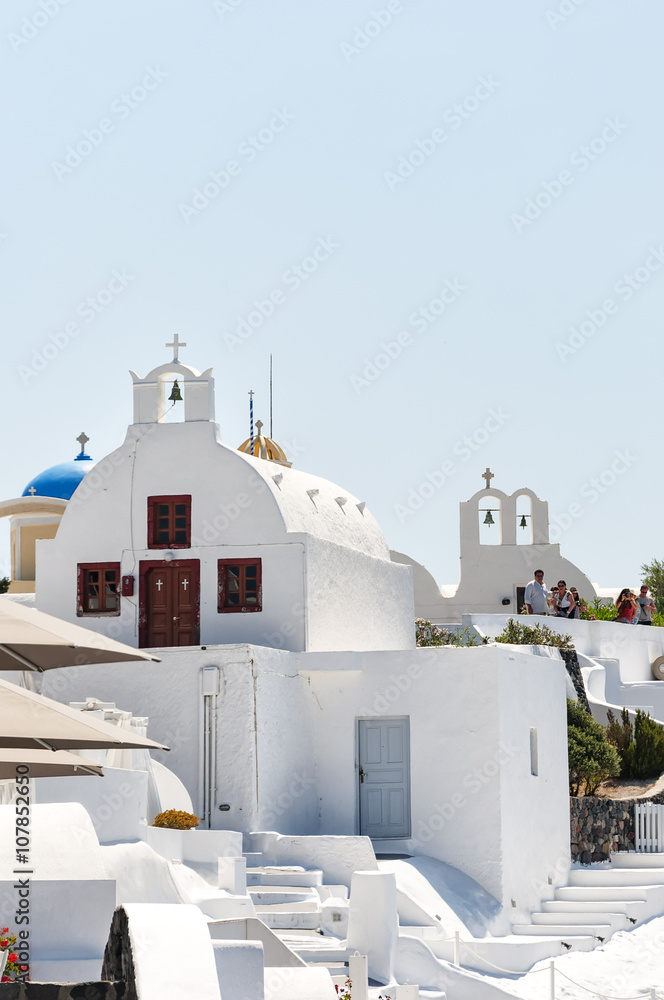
x=460, y=748
x=357, y=602
x=535, y=840
x=635, y=646
x=354, y=596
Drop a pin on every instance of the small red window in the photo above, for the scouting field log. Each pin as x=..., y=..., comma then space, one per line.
x=169, y=522
x=239, y=585
x=98, y=589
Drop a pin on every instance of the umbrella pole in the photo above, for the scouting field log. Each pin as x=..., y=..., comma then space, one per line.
x=21, y=659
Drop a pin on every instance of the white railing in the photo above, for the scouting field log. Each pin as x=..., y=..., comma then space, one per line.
x=648, y=827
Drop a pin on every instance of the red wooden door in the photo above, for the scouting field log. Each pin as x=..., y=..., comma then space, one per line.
x=170, y=603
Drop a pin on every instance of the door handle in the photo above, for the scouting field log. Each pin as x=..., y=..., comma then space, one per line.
x=361, y=775
x=177, y=619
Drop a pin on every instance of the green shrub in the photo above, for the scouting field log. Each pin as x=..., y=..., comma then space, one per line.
x=599, y=610
x=591, y=757
x=640, y=747
x=521, y=634
x=427, y=634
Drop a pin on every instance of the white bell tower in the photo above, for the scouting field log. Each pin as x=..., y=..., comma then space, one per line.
x=150, y=393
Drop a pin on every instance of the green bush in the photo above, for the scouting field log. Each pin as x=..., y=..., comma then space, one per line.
x=427, y=634
x=640, y=747
x=521, y=634
x=599, y=610
x=591, y=757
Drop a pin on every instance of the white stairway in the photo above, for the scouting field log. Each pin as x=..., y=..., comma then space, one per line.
x=289, y=899
x=598, y=901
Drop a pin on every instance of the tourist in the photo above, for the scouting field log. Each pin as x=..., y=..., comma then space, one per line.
x=625, y=606
x=536, y=596
x=646, y=607
x=552, y=599
x=577, y=603
x=565, y=603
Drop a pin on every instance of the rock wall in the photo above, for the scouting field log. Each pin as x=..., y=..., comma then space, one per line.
x=63, y=991
x=599, y=826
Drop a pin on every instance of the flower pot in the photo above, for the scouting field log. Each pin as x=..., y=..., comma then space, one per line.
x=166, y=842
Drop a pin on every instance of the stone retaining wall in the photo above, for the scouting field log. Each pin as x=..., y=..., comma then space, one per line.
x=599, y=826
x=62, y=991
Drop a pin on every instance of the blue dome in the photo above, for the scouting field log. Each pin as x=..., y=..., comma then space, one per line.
x=60, y=480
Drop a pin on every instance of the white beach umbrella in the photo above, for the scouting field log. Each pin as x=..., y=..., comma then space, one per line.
x=32, y=640
x=30, y=721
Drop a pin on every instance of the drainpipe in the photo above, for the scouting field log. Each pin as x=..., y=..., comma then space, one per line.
x=210, y=692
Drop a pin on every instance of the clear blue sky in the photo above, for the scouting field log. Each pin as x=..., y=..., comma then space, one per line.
x=502, y=154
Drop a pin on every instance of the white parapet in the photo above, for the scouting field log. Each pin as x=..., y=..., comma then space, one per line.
x=373, y=926
x=240, y=969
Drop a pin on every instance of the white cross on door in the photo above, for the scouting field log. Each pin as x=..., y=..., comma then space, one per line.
x=159, y=584
x=185, y=584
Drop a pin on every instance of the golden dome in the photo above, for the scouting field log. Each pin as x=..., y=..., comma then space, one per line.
x=265, y=447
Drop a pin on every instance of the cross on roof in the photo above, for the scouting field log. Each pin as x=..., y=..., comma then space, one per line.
x=82, y=440
x=176, y=345
x=32, y=491
x=487, y=476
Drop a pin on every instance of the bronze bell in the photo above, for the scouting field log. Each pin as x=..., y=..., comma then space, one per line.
x=522, y=522
x=488, y=519
x=175, y=394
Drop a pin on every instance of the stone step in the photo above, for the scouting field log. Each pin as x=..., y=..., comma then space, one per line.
x=266, y=895
x=616, y=876
x=618, y=921
x=518, y=952
x=294, y=916
x=284, y=918
x=601, y=892
x=637, y=859
x=314, y=947
x=630, y=908
x=284, y=876
x=563, y=930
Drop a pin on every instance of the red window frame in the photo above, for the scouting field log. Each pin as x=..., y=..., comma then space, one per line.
x=153, y=521
x=225, y=594
x=83, y=584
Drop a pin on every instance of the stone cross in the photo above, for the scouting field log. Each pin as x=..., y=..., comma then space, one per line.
x=487, y=476
x=83, y=440
x=32, y=491
x=176, y=345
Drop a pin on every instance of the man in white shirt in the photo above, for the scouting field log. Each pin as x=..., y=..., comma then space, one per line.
x=536, y=596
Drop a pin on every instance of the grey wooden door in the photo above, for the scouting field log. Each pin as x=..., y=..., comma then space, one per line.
x=384, y=777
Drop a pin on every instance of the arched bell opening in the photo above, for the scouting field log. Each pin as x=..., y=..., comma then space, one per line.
x=490, y=520
x=524, y=519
